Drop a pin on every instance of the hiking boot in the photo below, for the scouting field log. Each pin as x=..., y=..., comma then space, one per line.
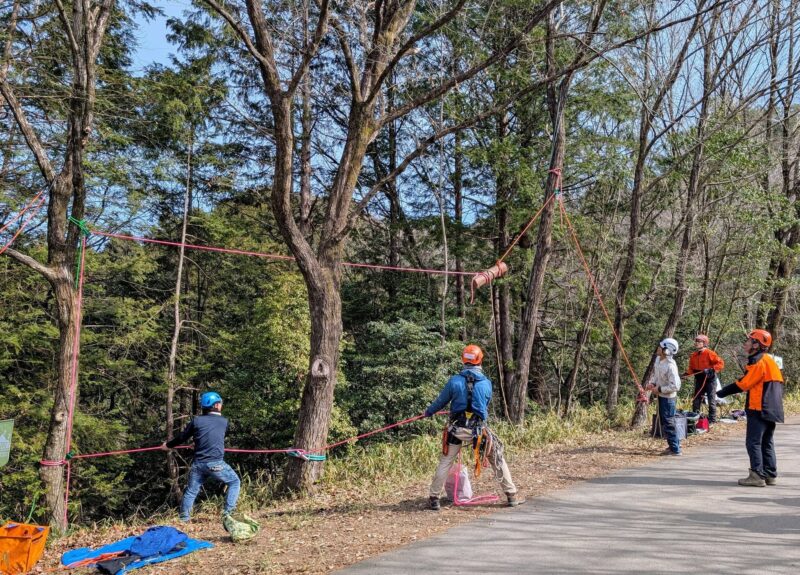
x=434, y=503
x=753, y=480
x=770, y=480
x=514, y=499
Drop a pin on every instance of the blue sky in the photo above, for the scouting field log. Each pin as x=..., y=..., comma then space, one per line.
x=152, y=36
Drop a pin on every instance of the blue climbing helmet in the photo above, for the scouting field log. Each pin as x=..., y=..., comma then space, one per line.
x=209, y=398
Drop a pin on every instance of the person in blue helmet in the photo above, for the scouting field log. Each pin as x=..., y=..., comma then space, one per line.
x=208, y=432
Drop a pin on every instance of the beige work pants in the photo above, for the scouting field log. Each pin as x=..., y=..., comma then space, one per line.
x=446, y=462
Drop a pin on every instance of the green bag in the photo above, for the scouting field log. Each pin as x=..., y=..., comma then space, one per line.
x=240, y=530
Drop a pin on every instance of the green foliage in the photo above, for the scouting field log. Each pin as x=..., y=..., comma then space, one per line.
x=394, y=371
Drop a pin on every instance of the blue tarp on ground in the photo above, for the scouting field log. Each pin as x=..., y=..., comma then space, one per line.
x=165, y=534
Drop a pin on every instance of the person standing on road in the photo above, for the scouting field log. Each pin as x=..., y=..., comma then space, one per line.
x=763, y=383
x=208, y=432
x=667, y=383
x=704, y=364
x=468, y=393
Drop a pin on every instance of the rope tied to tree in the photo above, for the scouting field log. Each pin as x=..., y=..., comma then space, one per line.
x=85, y=232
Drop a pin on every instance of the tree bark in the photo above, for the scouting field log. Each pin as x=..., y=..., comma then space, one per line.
x=172, y=371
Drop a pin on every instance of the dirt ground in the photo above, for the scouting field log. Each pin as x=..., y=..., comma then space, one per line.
x=338, y=529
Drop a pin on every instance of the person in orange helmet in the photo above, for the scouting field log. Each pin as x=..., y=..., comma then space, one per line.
x=468, y=393
x=763, y=383
x=704, y=364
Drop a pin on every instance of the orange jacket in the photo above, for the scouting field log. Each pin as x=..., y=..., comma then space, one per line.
x=763, y=383
x=703, y=359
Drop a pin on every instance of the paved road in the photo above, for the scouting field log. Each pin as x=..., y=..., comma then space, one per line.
x=678, y=515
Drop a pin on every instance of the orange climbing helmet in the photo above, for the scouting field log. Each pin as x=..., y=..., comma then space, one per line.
x=762, y=336
x=472, y=355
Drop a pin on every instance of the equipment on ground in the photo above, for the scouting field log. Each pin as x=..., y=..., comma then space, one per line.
x=240, y=530
x=21, y=546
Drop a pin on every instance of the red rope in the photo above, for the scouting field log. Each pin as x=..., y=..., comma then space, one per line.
x=24, y=224
x=600, y=300
x=274, y=256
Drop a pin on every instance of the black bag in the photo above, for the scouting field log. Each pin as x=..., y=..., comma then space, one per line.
x=691, y=421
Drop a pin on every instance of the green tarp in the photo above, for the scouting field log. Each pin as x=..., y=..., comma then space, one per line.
x=6, y=427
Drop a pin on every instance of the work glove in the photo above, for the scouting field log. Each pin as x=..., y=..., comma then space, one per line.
x=729, y=390
x=426, y=414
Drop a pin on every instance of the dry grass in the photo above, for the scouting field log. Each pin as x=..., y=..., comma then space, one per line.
x=375, y=501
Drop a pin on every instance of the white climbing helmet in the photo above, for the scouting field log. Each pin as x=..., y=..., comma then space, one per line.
x=669, y=345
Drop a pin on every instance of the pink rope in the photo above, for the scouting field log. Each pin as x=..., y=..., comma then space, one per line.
x=272, y=256
x=476, y=500
x=237, y=450
x=24, y=224
x=22, y=211
x=373, y=432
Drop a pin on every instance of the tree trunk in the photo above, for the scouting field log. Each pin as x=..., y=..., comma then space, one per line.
x=458, y=200
x=580, y=343
x=58, y=441
x=317, y=400
x=786, y=261
x=556, y=100
x=172, y=371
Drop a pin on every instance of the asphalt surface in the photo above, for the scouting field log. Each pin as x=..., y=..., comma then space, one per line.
x=679, y=515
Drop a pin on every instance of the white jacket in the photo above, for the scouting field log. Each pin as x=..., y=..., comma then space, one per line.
x=666, y=377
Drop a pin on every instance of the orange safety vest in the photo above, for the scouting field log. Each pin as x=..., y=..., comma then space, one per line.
x=763, y=383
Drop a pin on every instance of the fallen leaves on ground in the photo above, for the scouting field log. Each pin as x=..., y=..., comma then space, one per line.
x=338, y=528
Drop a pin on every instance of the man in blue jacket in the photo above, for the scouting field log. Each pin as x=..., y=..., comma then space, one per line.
x=468, y=393
x=208, y=431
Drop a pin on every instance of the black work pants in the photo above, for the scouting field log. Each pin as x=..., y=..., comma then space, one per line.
x=761, y=445
x=704, y=385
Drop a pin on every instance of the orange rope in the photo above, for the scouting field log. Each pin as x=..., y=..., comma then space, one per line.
x=527, y=226
x=600, y=299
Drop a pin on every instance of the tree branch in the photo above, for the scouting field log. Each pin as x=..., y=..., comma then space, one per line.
x=453, y=81
x=12, y=25
x=445, y=18
x=355, y=83
x=73, y=43
x=35, y=265
x=310, y=50
x=31, y=138
x=267, y=60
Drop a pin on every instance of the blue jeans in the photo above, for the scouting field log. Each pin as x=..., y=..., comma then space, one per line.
x=666, y=411
x=200, y=472
x=761, y=445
